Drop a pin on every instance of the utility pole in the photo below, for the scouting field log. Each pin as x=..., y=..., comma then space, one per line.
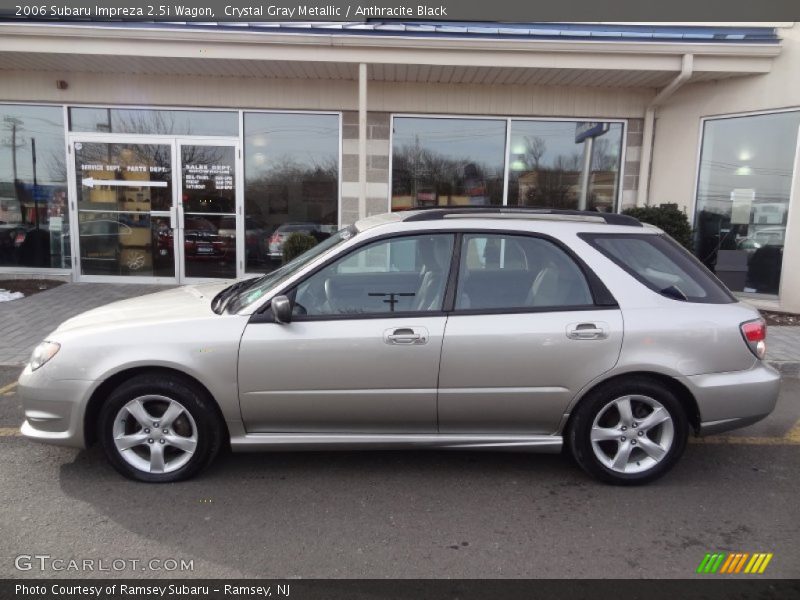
x=13, y=123
x=35, y=184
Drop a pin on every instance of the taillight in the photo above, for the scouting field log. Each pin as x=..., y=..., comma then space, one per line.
x=755, y=334
x=275, y=239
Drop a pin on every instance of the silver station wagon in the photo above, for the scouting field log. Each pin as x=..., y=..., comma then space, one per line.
x=461, y=328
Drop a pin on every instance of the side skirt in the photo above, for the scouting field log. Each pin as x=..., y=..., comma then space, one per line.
x=292, y=442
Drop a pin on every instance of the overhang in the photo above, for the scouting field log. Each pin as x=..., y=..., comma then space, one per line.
x=622, y=58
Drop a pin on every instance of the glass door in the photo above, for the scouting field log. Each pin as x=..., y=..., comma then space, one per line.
x=123, y=209
x=207, y=209
x=137, y=220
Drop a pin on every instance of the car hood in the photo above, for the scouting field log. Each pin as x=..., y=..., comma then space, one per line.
x=178, y=304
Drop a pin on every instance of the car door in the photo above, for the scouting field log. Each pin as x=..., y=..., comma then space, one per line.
x=362, y=351
x=527, y=332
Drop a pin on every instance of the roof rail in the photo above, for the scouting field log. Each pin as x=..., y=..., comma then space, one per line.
x=435, y=213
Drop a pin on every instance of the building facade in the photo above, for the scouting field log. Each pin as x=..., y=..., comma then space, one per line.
x=184, y=152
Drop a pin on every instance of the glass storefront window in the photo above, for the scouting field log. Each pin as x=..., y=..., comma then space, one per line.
x=291, y=171
x=743, y=190
x=154, y=122
x=33, y=187
x=565, y=164
x=443, y=162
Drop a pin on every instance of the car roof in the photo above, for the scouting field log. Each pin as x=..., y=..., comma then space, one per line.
x=496, y=217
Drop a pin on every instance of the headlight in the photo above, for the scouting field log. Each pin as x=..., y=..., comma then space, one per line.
x=42, y=353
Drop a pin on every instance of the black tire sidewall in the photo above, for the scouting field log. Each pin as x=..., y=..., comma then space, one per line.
x=176, y=388
x=583, y=418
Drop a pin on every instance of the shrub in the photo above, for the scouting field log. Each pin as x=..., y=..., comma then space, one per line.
x=668, y=217
x=296, y=244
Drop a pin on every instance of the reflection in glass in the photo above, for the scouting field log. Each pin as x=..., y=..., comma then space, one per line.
x=291, y=182
x=743, y=193
x=564, y=164
x=154, y=122
x=209, y=204
x=33, y=192
x=441, y=162
x=119, y=187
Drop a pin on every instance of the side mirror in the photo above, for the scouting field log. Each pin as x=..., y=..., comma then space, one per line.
x=281, y=310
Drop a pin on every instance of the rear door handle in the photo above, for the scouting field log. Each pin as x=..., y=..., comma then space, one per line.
x=406, y=336
x=587, y=331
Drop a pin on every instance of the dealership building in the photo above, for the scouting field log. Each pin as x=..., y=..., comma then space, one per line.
x=179, y=152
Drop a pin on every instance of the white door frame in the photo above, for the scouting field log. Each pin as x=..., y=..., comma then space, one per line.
x=175, y=214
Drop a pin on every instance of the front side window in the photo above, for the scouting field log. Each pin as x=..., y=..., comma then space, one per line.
x=743, y=190
x=447, y=162
x=662, y=265
x=396, y=275
x=508, y=272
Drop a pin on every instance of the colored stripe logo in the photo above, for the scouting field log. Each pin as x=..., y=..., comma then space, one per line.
x=734, y=562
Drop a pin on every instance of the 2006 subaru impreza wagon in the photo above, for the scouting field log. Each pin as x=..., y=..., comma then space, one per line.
x=493, y=329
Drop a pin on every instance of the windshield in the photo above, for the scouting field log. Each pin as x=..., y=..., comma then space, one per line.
x=256, y=288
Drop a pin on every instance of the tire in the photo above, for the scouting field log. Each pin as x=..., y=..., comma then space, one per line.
x=159, y=428
x=651, y=446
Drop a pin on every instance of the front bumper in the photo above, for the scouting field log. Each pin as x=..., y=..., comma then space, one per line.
x=54, y=408
x=732, y=400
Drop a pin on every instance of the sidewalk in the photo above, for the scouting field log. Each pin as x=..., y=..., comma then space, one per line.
x=24, y=323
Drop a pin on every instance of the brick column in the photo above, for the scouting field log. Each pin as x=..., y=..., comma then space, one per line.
x=378, y=150
x=633, y=154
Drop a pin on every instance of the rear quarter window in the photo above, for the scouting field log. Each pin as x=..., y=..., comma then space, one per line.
x=661, y=264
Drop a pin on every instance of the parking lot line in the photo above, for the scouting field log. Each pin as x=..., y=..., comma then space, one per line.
x=8, y=388
x=10, y=432
x=792, y=438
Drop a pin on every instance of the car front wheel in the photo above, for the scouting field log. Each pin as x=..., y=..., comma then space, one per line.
x=159, y=428
x=628, y=432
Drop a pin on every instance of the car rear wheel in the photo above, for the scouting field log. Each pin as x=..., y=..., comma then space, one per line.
x=628, y=432
x=159, y=428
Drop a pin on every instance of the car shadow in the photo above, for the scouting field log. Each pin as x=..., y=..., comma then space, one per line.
x=425, y=513
x=295, y=513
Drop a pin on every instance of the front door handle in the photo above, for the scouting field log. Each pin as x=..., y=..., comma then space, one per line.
x=406, y=336
x=587, y=331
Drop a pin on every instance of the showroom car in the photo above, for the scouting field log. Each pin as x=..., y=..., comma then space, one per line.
x=471, y=328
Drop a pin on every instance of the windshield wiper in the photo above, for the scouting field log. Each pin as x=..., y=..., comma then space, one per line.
x=675, y=292
x=220, y=301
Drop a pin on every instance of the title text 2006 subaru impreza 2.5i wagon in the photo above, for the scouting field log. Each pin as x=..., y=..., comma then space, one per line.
x=493, y=329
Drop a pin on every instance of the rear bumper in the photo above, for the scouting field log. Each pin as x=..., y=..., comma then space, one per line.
x=54, y=408
x=732, y=400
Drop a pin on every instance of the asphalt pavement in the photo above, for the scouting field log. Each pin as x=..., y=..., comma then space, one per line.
x=400, y=514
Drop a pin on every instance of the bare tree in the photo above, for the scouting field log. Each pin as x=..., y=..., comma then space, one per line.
x=535, y=148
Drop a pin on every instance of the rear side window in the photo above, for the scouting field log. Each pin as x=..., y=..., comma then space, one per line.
x=662, y=265
x=512, y=272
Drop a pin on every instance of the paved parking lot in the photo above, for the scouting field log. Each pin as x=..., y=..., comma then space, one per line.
x=414, y=514
x=24, y=323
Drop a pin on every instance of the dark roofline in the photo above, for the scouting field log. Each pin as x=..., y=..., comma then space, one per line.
x=468, y=29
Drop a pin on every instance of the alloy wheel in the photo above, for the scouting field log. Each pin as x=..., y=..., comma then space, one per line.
x=155, y=434
x=632, y=434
